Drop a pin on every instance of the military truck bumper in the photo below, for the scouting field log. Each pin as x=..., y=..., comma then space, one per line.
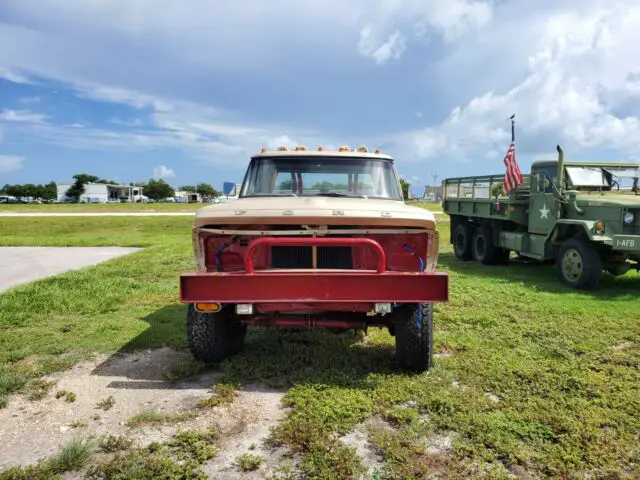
x=626, y=243
x=337, y=290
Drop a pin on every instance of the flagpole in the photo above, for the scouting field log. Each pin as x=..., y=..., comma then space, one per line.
x=513, y=129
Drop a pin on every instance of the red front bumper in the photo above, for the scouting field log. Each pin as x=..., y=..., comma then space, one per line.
x=315, y=286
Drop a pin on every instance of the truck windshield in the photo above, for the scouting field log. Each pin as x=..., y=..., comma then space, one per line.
x=587, y=177
x=328, y=176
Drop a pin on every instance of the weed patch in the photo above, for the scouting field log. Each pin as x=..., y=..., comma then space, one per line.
x=113, y=443
x=106, y=403
x=222, y=394
x=74, y=456
x=248, y=462
x=153, y=417
x=179, y=458
x=38, y=388
x=68, y=396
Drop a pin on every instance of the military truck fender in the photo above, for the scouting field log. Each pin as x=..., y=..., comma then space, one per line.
x=565, y=229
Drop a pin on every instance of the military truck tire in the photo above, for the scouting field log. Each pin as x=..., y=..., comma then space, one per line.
x=462, y=242
x=414, y=336
x=503, y=256
x=482, y=247
x=579, y=265
x=212, y=337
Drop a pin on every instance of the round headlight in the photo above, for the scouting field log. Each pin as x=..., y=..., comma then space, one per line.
x=628, y=217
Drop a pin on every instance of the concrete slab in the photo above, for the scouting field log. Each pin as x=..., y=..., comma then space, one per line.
x=19, y=265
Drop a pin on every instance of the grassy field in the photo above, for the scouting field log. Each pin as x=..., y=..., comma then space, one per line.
x=133, y=207
x=101, y=207
x=530, y=379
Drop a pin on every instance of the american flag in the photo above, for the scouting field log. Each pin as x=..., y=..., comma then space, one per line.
x=513, y=177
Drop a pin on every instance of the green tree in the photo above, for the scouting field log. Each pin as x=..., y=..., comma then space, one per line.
x=50, y=191
x=285, y=185
x=207, y=191
x=76, y=190
x=405, y=188
x=85, y=178
x=158, y=189
x=187, y=188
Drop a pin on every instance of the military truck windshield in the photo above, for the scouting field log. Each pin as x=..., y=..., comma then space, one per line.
x=321, y=176
x=587, y=177
x=627, y=179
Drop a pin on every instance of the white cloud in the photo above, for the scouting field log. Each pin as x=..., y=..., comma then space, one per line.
x=568, y=70
x=12, y=76
x=584, y=70
x=162, y=171
x=10, y=163
x=369, y=46
x=394, y=20
x=21, y=116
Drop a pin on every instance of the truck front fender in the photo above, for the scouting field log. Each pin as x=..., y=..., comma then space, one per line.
x=565, y=229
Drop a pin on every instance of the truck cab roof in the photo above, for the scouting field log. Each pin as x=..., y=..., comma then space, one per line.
x=303, y=152
x=574, y=163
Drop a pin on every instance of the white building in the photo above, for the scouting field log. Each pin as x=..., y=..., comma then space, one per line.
x=183, y=196
x=103, y=193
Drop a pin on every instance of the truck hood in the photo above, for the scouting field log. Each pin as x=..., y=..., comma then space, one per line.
x=608, y=200
x=315, y=210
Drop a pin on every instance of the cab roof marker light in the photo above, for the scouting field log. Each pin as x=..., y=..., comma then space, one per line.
x=321, y=148
x=282, y=148
x=263, y=150
x=300, y=148
x=362, y=149
x=344, y=148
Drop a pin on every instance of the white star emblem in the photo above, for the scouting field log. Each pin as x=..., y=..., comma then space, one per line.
x=544, y=212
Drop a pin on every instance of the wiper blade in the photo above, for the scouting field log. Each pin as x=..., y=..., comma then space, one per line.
x=337, y=194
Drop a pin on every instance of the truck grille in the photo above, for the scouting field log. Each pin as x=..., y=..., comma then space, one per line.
x=301, y=257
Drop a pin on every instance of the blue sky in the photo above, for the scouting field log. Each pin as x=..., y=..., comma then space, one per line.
x=187, y=91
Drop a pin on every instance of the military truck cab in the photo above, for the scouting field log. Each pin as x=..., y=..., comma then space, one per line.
x=584, y=216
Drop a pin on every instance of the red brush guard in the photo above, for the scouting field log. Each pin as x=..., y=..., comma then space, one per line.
x=321, y=290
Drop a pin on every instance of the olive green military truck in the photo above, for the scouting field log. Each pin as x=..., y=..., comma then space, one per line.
x=584, y=216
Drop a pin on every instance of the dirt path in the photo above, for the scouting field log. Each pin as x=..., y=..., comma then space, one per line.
x=32, y=430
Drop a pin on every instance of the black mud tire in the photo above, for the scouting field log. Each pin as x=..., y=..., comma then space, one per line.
x=503, y=256
x=462, y=242
x=212, y=337
x=414, y=336
x=482, y=247
x=578, y=264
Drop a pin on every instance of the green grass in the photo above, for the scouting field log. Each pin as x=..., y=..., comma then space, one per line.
x=564, y=366
x=102, y=207
x=74, y=456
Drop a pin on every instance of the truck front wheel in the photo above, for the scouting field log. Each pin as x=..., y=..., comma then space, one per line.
x=413, y=328
x=212, y=337
x=579, y=265
x=462, y=242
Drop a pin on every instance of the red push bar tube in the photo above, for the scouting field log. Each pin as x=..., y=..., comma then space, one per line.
x=314, y=241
